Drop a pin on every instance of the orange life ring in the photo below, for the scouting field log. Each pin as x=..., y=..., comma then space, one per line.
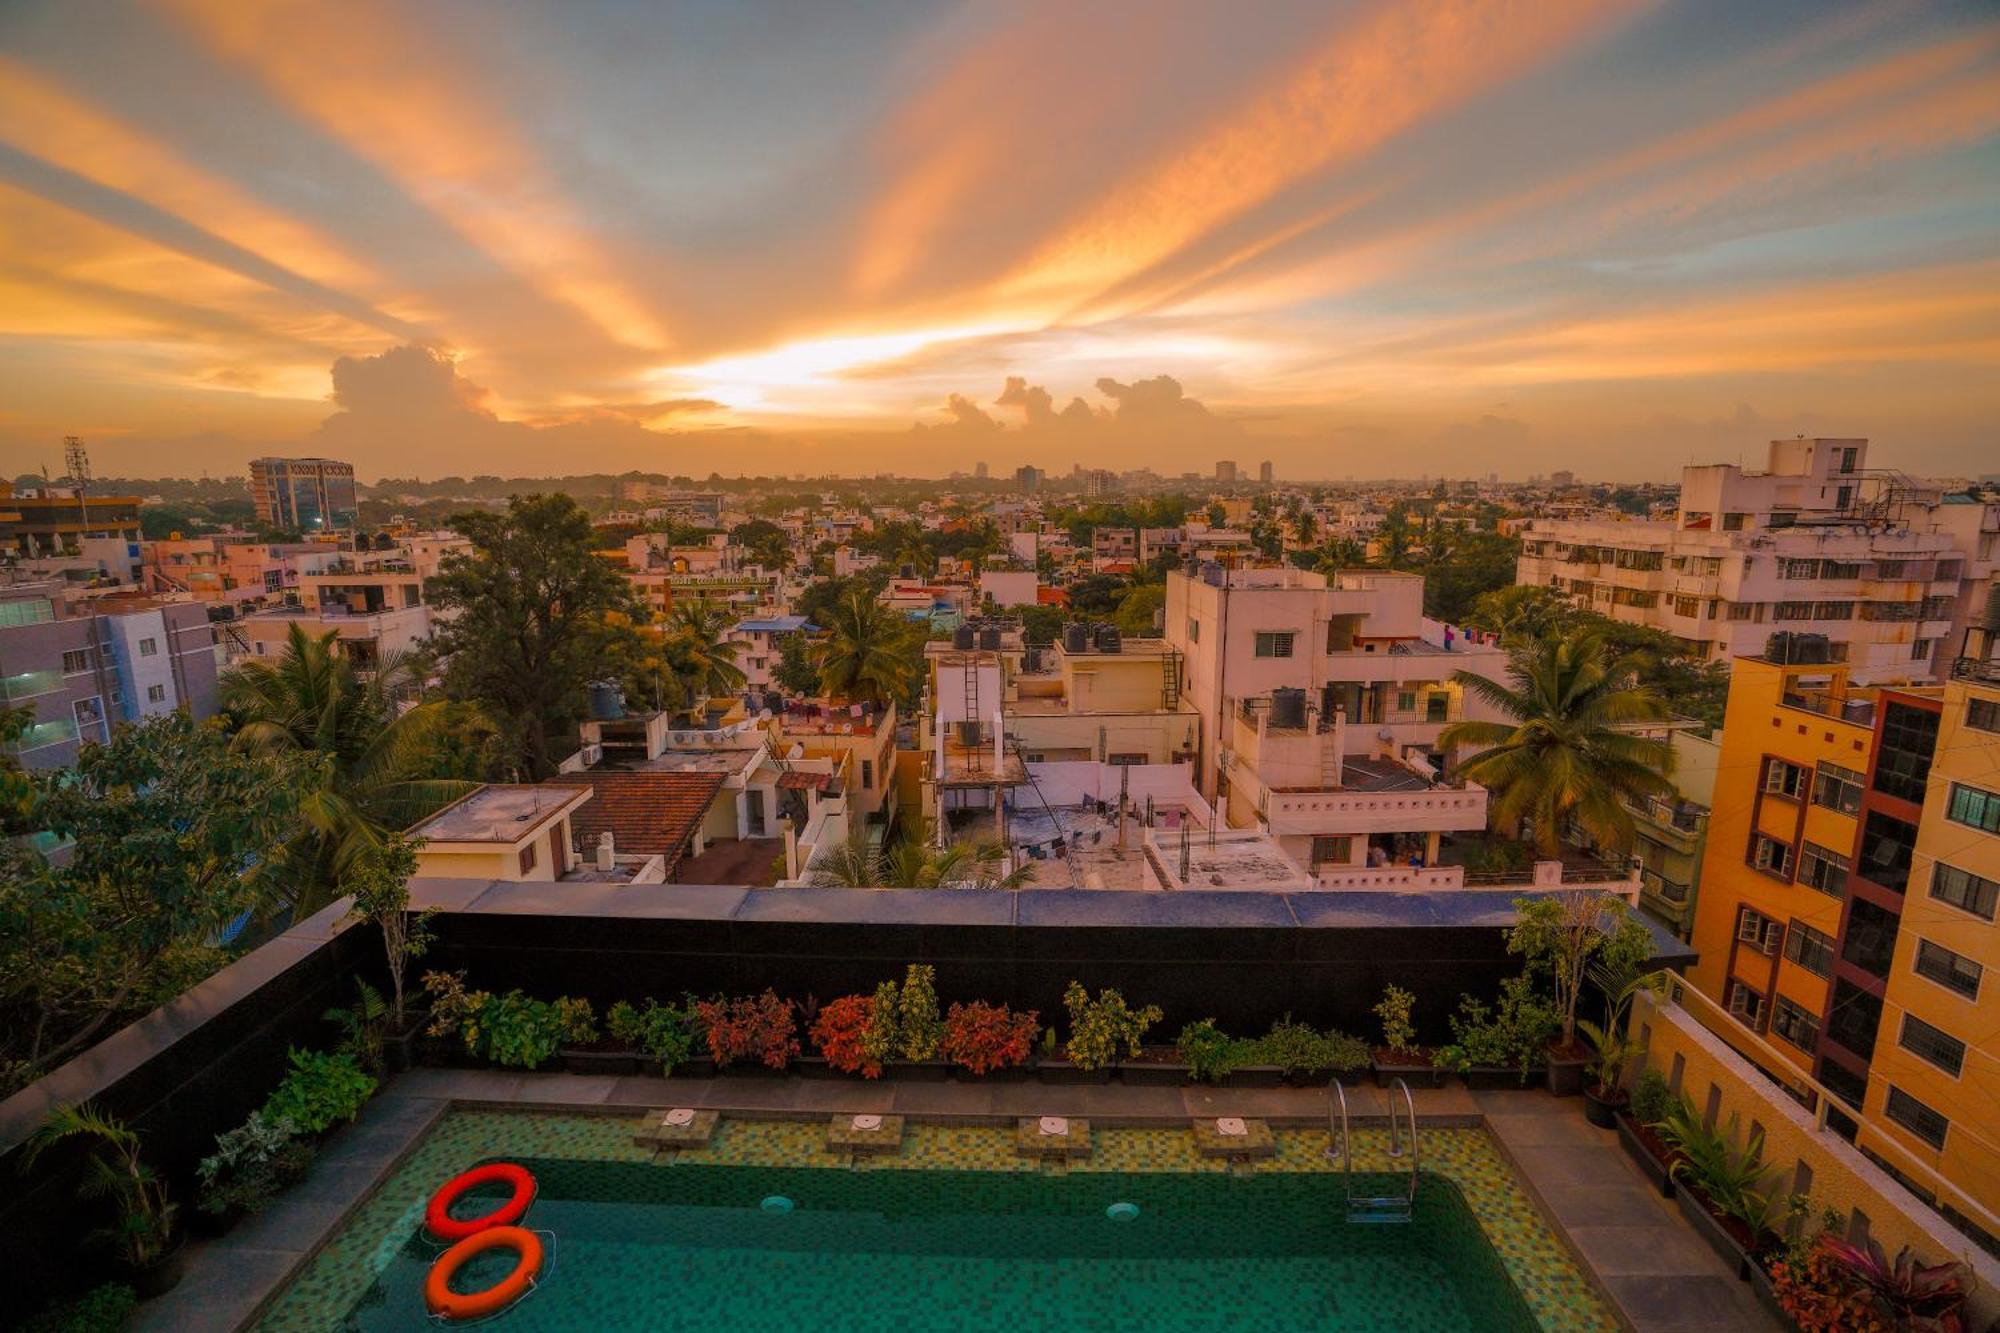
x=439, y=1221
x=449, y=1304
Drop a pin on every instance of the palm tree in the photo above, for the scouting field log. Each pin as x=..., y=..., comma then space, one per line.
x=1570, y=754
x=699, y=655
x=913, y=863
x=866, y=654
x=1341, y=553
x=310, y=697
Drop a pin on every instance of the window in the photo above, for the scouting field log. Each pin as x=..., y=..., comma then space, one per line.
x=1853, y=1018
x=149, y=647
x=1793, y=1023
x=1687, y=606
x=1847, y=459
x=1840, y=569
x=1886, y=844
x=527, y=858
x=1920, y=651
x=1953, y=971
x=1822, y=869
x=1782, y=778
x=1746, y=610
x=1909, y=735
x=1798, y=569
x=1274, y=644
x=76, y=661
x=1837, y=788
x=1133, y=760
x=1973, y=808
x=1194, y=630
x=1869, y=941
x=156, y=694
x=1810, y=949
x=1933, y=1044
x=1792, y=611
x=1964, y=890
x=1914, y=1116
x=1406, y=701
x=1771, y=856
x=1980, y=714
x=1332, y=851
x=1833, y=611
x=1757, y=930
x=1745, y=1003
x=1734, y=522
x=867, y=774
x=1843, y=1083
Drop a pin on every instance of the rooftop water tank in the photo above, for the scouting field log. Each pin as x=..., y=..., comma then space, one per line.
x=607, y=701
x=1288, y=708
x=1076, y=637
x=962, y=637
x=989, y=636
x=1109, y=640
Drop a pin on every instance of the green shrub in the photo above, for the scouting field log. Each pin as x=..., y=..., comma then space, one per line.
x=663, y=1031
x=510, y=1029
x=1513, y=1035
x=1099, y=1029
x=918, y=1026
x=1208, y=1051
x=102, y=1309
x=878, y=1039
x=1399, y=1033
x=324, y=1088
x=1652, y=1098
x=1300, y=1049
x=251, y=1165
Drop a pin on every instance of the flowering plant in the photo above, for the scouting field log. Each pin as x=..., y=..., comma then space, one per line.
x=750, y=1027
x=986, y=1037
x=839, y=1031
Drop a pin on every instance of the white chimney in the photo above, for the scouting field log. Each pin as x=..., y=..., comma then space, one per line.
x=607, y=859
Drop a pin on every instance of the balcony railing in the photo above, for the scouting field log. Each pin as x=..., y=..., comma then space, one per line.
x=1984, y=670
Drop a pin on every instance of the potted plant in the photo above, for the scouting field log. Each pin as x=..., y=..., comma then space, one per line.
x=513, y=1030
x=1101, y=1030
x=990, y=1040
x=1721, y=1189
x=1838, y=1285
x=839, y=1032
x=150, y=1255
x=1612, y=1046
x=659, y=1035
x=918, y=1027
x=1563, y=934
x=362, y=1026
x=251, y=1165
x=1399, y=1055
x=1503, y=1045
x=1651, y=1100
x=379, y=881
x=1205, y=1053
x=1306, y=1057
x=106, y=1308
x=751, y=1033
x=323, y=1089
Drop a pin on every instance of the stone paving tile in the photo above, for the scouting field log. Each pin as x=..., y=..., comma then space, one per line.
x=215, y=1294
x=1683, y=1304
x=1655, y=1249
x=1569, y=1164
x=1607, y=1205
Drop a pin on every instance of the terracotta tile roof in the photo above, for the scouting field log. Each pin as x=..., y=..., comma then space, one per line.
x=804, y=781
x=647, y=813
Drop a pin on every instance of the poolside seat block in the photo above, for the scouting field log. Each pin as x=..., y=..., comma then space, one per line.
x=842, y=1136
x=1256, y=1140
x=655, y=1132
x=1029, y=1140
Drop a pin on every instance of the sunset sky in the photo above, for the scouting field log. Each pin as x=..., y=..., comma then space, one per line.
x=1368, y=239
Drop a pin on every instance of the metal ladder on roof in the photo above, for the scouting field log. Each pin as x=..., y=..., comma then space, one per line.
x=1374, y=1208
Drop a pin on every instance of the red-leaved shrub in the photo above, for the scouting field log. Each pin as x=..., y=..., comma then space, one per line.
x=986, y=1037
x=760, y=1027
x=838, y=1031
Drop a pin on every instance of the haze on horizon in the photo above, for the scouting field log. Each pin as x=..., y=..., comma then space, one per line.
x=1405, y=236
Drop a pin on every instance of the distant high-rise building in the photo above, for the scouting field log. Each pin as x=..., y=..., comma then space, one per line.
x=1028, y=478
x=1264, y=472
x=1100, y=481
x=1563, y=477
x=979, y=470
x=309, y=494
x=1225, y=471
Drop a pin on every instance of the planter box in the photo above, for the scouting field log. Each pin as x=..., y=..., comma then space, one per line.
x=1417, y=1076
x=1767, y=1295
x=1154, y=1074
x=815, y=1066
x=582, y=1060
x=1709, y=1227
x=404, y=1051
x=1490, y=1078
x=1635, y=1148
x=753, y=1069
x=1062, y=1072
x=1254, y=1076
x=1566, y=1076
x=1010, y=1074
x=917, y=1071
x=700, y=1066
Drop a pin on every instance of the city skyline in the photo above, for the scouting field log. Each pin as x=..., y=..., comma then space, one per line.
x=1461, y=236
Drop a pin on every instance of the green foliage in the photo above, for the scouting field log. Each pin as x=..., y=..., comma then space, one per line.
x=1397, y=1006
x=1208, y=1051
x=513, y=1029
x=1299, y=1049
x=870, y=653
x=103, y=1309
x=144, y=1229
x=796, y=673
x=173, y=834
x=380, y=884
x=1100, y=1029
x=698, y=656
x=663, y=1031
x=878, y=1039
x=251, y=1165
x=361, y=1026
x=1565, y=934
x=323, y=1089
x=1733, y=1180
x=529, y=614
x=1652, y=1098
x=919, y=1028
x=1512, y=1035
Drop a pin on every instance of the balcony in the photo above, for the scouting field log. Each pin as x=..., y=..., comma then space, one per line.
x=29, y=684
x=1436, y=807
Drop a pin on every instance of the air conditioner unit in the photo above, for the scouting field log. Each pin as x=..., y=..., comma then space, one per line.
x=593, y=755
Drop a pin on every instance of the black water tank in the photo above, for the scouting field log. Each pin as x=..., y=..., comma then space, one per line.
x=1076, y=637
x=968, y=734
x=1288, y=709
x=989, y=636
x=1108, y=639
x=962, y=637
x=607, y=703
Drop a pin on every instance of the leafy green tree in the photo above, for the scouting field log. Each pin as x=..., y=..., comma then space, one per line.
x=531, y=616
x=702, y=659
x=1097, y=595
x=1462, y=567
x=1136, y=608
x=1521, y=613
x=796, y=672
x=869, y=653
x=170, y=833
x=913, y=863
x=381, y=770
x=1570, y=754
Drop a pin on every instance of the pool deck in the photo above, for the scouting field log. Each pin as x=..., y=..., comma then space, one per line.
x=1659, y=1276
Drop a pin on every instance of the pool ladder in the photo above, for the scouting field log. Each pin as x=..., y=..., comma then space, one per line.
x=1374, y=1208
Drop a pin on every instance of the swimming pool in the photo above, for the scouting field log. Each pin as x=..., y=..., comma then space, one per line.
x=951, y=1245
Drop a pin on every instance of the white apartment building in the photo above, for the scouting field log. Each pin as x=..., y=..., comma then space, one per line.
x=1884, y=567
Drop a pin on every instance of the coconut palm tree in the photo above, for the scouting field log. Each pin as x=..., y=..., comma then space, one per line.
x=1570, y=753
x=913, y=863
x=382, y=774
x=866, y=655
x=701, y=659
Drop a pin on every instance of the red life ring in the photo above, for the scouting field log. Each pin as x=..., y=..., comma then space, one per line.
x=449, y=1304
x=439, y=1221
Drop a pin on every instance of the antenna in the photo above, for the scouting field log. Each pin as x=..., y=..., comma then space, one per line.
x=77, y=460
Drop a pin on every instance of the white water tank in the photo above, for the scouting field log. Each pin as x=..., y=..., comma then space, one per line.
x=607, y=859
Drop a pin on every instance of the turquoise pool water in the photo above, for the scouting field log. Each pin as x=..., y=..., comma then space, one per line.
x=689, y=1247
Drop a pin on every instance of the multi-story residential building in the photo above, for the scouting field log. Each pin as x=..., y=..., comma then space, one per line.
x=53, y=521
x=1670, y=835
x=762, y=640
x=1817, y=545
x=86, y=664
x=1847, y=903
x=1264, y=472
x=304, y=494
x=1225, y=472
x=1114, y=546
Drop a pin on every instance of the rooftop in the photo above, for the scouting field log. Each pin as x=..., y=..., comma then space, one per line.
x=499, y=812
x=1363, y=773
x=646, y=812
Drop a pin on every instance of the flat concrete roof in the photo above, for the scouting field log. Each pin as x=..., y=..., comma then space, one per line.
x=500, y=812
